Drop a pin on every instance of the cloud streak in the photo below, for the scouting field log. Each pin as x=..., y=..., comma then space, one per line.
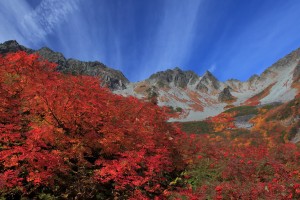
x=171, y=44
x=260, y=42
x=143, y=37
x=212, y=68
x=31, y=26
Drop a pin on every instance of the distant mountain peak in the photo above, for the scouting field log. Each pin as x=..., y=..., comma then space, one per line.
x=13, y=46
x=209, y=75
x=177, y=69
x=208, y=81
x=11, y=42
x=176, y=77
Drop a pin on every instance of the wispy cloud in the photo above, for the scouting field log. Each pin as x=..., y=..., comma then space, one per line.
x=31, y=26
x=172, y=42
x=212, y=68
x=11, y=13
x=260, y=42
x=143, y=37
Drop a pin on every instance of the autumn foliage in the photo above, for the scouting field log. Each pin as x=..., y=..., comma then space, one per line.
x=65, y=136
x=260, y=163
x=222, y=122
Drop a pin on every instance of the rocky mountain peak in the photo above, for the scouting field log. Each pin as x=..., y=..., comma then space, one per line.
x=208, y=73
x=13, y=46
x=209, y=76
x=176, y=77
x=177, y=69
x=207, y=81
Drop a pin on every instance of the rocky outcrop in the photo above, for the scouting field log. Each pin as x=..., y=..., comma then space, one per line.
x=13, y=46
x=114, y=79
x=52, y=56
x=208, y=81
x=176, y=76
x=225, y=95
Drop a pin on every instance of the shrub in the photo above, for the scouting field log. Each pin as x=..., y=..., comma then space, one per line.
x=64, y=136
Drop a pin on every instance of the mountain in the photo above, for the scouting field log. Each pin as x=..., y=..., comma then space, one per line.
x=203, y=96
x=114, y=79
x=197, y=96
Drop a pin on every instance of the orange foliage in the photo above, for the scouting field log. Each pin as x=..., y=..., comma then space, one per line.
x=223, y=121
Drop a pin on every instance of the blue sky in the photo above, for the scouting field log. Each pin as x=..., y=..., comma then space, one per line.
x=231, y=38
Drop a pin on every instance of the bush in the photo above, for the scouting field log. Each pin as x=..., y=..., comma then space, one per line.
x=64, y=136
x=197, y=127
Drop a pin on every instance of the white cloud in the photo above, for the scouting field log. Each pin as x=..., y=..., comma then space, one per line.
x=173, y=40
x=212, y=68
x=49, y=14
x=27, y=25
x=11, y=13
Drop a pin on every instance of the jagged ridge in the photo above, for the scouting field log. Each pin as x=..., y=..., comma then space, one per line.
x=114, y=79
x=199, y=96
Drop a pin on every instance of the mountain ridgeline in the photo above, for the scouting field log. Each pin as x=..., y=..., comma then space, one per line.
x=197, y=96
x=114, y=79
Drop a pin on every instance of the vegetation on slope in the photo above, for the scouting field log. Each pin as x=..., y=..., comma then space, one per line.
x=260, y=163
x=197, y=127
x=64, y=137
x=243, y=110
x=243, y=164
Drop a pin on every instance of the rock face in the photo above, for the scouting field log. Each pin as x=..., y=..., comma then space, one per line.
x=208, y=81
x=13, y=46
x=225, y=95
x=52, y=56
x=177, y=77
x=114, y=79
x=243, y=121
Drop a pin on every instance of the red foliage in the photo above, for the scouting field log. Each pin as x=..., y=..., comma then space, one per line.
x=66, y=136
x=244, y=167
x=222, y=122
x=61, y=132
